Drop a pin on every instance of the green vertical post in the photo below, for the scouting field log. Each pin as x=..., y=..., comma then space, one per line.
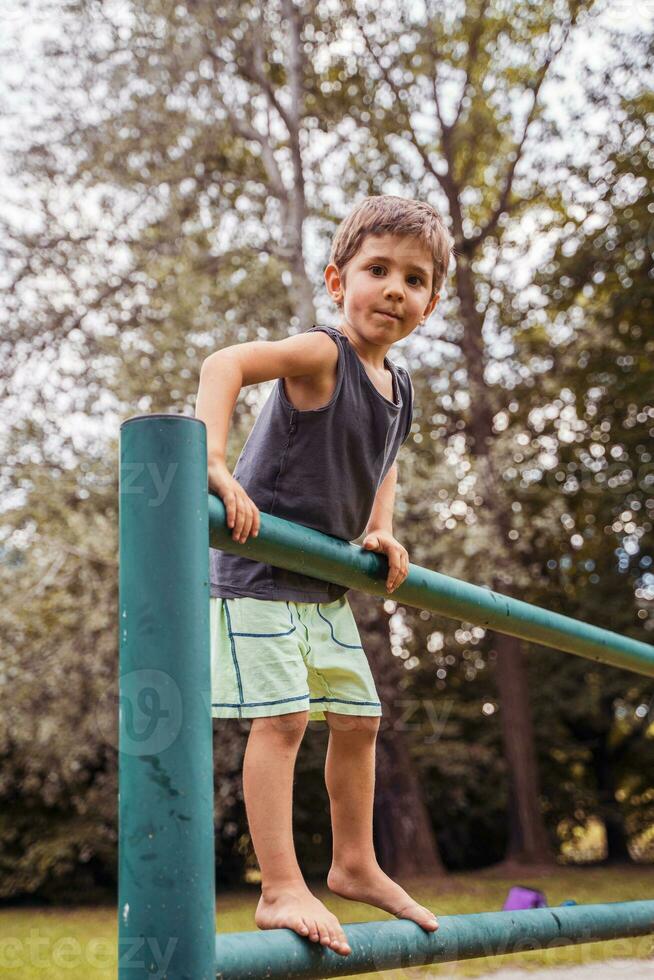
x=166, y=887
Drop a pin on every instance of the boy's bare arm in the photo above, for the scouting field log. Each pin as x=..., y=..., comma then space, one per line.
x=379, y=532
x=222, y=376
x=226, y=371
x=381, y=516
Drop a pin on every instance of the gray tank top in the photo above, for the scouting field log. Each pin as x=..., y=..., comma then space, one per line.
x=320, y=468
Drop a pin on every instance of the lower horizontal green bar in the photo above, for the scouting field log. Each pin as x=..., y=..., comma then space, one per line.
x=281, y=953
x=301, y=549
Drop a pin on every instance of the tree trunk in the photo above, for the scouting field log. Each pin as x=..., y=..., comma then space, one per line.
x=595, y=735
x=617, y=851
x=404, y=838
x=527, y=837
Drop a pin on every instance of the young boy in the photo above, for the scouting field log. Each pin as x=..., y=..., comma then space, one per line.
x=285, y=646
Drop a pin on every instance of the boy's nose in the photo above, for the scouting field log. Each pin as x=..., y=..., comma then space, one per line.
x=393, y=292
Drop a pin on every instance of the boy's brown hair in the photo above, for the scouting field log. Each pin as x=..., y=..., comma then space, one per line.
x=386, y=214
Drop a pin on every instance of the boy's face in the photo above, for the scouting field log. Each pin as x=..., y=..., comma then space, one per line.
x=389, y=273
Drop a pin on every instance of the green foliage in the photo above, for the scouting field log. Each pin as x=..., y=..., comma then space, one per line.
x=48, y=852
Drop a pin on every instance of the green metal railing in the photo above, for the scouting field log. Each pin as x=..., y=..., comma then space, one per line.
x=301, y=549
x=402, y=944
x=166, y=845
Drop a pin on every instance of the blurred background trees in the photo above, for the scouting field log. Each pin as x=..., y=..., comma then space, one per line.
x=177, y=173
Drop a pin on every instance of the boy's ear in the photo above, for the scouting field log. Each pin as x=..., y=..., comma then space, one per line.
x=429, y=309
x=334, y=282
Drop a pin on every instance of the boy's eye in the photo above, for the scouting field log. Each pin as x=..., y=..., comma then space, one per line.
x=412, y=276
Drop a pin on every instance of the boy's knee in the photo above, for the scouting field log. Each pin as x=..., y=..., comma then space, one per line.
x=353, y=724
x=289, y=727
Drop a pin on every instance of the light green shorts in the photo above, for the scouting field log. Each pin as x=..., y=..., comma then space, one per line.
x=273, y=657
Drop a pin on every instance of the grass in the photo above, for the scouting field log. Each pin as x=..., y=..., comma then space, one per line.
x=78, y=943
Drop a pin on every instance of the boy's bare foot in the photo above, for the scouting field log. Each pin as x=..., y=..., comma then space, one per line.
x=373, y=886
x=294, y=907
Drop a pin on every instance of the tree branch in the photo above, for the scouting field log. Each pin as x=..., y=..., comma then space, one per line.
x=473, y=49
x=502, y=205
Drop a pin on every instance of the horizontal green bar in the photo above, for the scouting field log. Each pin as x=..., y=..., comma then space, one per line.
x=301, y=549
x=281, y=953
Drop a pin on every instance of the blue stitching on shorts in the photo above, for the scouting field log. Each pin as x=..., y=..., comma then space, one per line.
x=256, y=704
x=287, y=633
x=290, y=612
x=348, y=646
x=265, y=634
x=234, y=657
x=376, y=704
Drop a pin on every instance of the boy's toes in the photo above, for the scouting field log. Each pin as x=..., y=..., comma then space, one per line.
x=318, y=932
x=338, y=939
x=427, y=919
x=421, y=915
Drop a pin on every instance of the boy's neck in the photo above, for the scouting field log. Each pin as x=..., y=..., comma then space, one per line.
x=373, y=355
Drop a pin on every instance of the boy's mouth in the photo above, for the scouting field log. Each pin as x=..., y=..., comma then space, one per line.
x=391, y=316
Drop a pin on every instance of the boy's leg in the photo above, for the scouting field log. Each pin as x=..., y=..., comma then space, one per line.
x=286, y=901
x=350, y=781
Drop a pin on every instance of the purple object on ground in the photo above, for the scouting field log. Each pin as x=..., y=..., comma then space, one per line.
x=520, y=897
